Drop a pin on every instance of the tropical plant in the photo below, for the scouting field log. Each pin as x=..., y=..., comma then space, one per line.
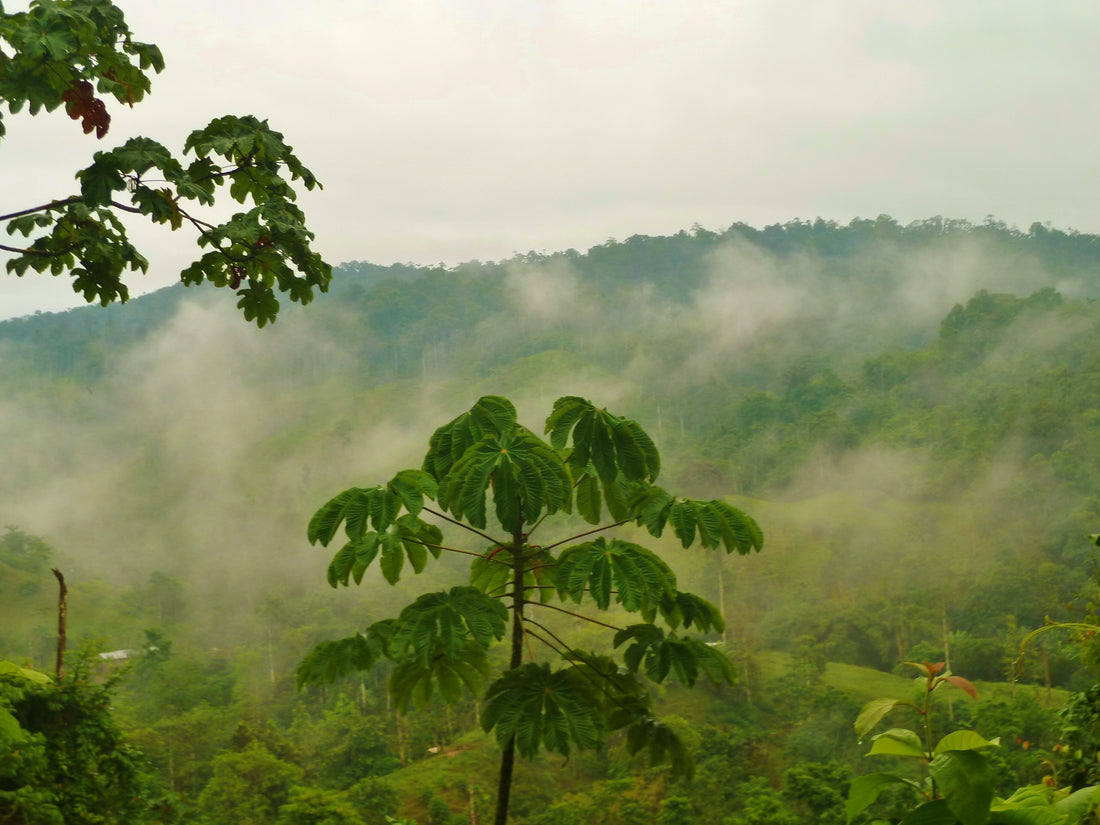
x=80, y=53
x=958, y=784
x=595, y=462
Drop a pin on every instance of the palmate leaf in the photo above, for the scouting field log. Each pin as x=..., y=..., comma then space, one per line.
x=648, y=733
x=526, y=476
x=682, y=656
x=414, y=681
x=611, y=443
x=547, y=709
x=639, y=576
x=716, y=523
x=330, y=661
x=491, y=415
x=408, y=537
x=444, y=623
x=689, y=610
x=359, y=508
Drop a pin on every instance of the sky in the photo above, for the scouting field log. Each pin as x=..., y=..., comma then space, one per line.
x=453, y=130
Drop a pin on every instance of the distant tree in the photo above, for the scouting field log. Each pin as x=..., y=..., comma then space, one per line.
x=80, y=53
x=594, y=460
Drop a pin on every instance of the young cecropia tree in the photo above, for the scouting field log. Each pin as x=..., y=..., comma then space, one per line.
x=78, y=54
x=561, y=698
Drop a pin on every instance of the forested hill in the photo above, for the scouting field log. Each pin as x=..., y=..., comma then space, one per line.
x=911, y=413
x=919, y=395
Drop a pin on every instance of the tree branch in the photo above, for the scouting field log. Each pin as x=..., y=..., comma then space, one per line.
x=486, y=536
x=46, y=207
x=571, y=613
x=587, y=533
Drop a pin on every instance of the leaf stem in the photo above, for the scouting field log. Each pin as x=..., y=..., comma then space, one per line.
x=587, y=533
x=486, y=536
x=571, y=613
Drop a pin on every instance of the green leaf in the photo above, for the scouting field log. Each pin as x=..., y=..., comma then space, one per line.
x=330, y=661
x=872, y=714
x=897, y=742
x=393, y=557
x=967, y=782
x=864, y=790
x=1079, y=804
x=640, y=577
x=647, y=732
x=10, y=730
x=962, y=740
x=442, y=624
x=935, y=812
x=541, y=708
x=588, y=498
x=413, y=681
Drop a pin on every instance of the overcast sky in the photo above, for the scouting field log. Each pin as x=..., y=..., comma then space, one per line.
x=447, y=130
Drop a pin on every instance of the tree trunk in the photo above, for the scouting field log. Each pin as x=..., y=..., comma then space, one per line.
x=508, y=757
x=62, y=619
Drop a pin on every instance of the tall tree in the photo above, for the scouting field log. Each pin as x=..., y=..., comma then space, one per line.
x=594, y=461
x=77, y=54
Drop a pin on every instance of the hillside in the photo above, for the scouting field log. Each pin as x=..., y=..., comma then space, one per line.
x=911, y=413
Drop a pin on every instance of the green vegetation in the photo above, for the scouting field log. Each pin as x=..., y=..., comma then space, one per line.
x=78, y=53
x=909, y=412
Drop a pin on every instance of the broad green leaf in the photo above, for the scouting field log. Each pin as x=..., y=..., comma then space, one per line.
x=10, y=730
x=872, y=714
x=1079, y=804
x=689, y=610
x=864, y=790
x=897, y=742
x=967, y=782
x=25, y=673
x=962, y=740
x=935, y=812
x=588, y=498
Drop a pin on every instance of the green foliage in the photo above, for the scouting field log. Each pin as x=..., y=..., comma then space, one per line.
x=64, y=52
x=62, y=756
x=961, y=782
x=439, y=642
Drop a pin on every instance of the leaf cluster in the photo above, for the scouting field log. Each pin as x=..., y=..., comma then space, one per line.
x=59, y=49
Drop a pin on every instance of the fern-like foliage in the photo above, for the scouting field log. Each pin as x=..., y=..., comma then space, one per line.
x=542, y=708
